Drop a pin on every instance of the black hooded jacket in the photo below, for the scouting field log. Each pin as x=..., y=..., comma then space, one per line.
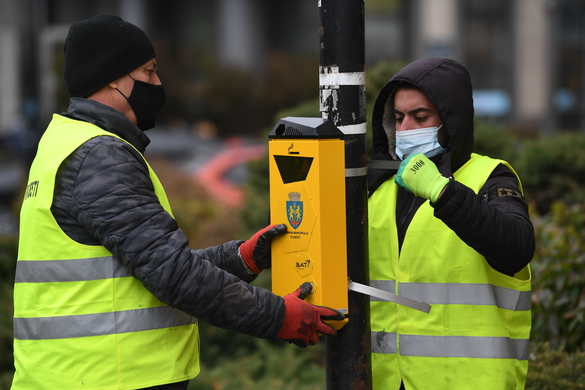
x=495, y=225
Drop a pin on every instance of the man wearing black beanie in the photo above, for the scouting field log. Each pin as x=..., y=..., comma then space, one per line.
x=107, y=291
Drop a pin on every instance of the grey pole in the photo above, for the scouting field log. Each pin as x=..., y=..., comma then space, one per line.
x=343, y=101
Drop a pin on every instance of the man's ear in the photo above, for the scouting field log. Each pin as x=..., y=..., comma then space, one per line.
x=115, y=84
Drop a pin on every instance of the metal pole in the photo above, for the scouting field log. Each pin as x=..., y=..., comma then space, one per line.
x=343, y=101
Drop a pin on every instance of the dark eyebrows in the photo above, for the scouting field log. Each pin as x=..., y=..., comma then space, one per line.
x=414, y=111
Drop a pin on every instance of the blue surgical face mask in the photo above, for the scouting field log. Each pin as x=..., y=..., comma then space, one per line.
x=424, y=141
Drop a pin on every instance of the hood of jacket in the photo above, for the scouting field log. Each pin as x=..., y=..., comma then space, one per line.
x=447, y=84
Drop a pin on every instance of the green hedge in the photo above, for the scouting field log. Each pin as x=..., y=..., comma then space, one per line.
x=552, y=167
x=553, y=369
x=558, y=272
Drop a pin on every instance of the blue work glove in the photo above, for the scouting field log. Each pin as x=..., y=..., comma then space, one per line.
x=418, y=174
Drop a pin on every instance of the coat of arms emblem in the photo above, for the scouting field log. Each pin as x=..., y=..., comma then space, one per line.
x=294, y=209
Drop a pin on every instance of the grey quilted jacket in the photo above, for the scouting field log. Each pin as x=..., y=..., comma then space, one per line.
x=104, y=196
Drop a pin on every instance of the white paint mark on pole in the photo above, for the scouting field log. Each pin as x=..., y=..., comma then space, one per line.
x=359, y=128
x=328, y=100
x=330, y=78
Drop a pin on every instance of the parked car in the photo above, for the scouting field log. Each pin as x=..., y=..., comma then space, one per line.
x=219, y=165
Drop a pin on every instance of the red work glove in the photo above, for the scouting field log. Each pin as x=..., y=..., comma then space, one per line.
x=302, y=320
x=256, y=251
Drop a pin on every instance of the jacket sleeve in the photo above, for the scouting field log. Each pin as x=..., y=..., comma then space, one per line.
x=225, y=256
x=114, y=200
x=494, y=222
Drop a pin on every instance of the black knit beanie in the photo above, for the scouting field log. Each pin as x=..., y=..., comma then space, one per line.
x=100, y=50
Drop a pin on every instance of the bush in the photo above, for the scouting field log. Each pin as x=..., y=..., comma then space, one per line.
x=558, y=274
x=553, y=369
x=496, y=141
x=551, y=167
x=251, y=364
x=204, y=221
x=256, y=213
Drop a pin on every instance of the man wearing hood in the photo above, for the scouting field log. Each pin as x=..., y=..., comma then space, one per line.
x=450, y=228
x=107, y=291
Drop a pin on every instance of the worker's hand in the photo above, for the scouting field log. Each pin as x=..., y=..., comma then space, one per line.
x=420, y=176
x=302, y=320
x=256, y=251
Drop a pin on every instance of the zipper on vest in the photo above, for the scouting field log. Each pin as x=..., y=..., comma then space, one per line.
x=405, y=216
x=401, y=231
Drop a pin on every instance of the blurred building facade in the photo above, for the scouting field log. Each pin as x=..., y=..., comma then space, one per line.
x=526, y=57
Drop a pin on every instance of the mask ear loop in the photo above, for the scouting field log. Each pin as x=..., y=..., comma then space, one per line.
x=122, y=94
x=126, y=97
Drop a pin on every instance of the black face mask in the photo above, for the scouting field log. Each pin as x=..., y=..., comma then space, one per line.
x=146, y=100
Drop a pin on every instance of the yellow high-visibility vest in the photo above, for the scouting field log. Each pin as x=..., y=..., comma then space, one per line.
x=81, y=321
x=476, y=334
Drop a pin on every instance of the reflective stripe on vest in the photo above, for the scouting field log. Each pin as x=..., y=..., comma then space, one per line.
x=48, y=271
x=478, y=328
x=451, y=346
x=81, y=320
x=87, y=325
x=458, y=294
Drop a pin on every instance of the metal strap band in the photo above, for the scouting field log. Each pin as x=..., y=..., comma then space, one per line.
x=387, y=296
x=384, y=164
x=356, y=172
